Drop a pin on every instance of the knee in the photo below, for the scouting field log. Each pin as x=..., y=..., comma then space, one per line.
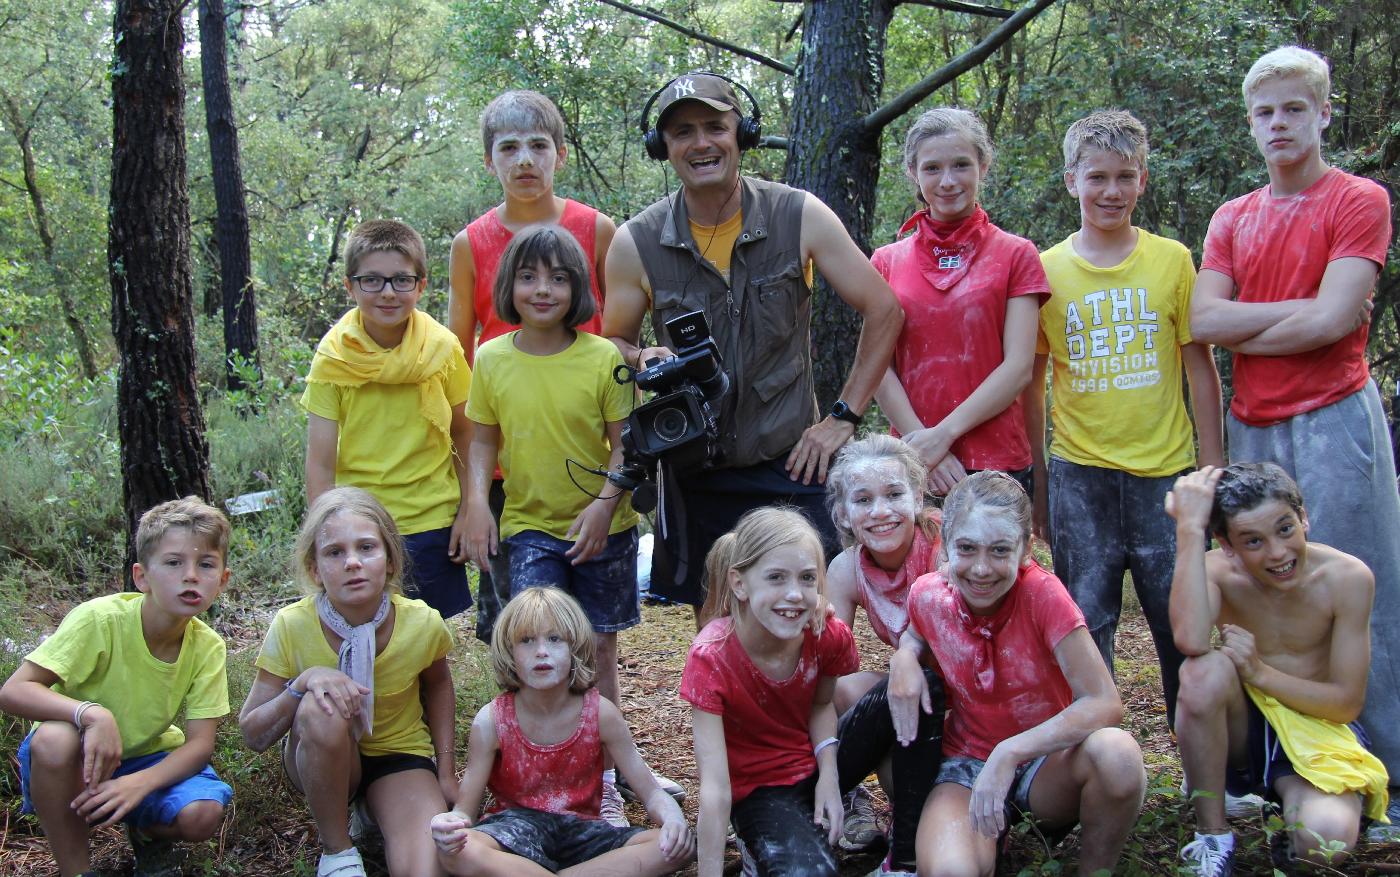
x=1115, y=764
x=1204, y=683
x=315, y=726
x=54, y=746
x=199, y=821
x=800, y=853
x=949, y=869
x=1325, y=838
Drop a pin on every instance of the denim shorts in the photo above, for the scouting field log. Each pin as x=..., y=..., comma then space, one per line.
x=158, y=808
x=433, y=576
x=554, y=841
x=605, y=586
x=964, y=770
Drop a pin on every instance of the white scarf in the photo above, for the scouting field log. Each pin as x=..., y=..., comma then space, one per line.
x=356, y=651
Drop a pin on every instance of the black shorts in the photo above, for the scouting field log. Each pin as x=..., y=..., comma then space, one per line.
x=699, y=507
x=1267, y=761
x=376, y=767
x=554, y=841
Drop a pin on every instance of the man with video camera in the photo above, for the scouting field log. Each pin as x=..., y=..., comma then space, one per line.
x=742, y=251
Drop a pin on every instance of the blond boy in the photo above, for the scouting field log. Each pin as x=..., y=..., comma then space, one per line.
x=1286, y=279
x=1115, y=332
x=105, y=688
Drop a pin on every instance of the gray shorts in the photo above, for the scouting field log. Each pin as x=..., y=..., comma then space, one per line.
x=554, y=841
x=963, y=771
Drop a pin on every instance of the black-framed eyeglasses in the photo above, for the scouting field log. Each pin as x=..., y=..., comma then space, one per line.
x=372, y=283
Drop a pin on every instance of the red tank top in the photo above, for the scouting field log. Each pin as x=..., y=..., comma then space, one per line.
x=566, y=777
x=489, y=239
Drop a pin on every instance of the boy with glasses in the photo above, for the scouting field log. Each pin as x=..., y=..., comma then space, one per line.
x=385, y=402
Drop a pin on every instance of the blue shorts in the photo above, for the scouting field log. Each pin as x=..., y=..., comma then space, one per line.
x=606, y=586
x=158, y=808
x=434, y=577
x=963, y=770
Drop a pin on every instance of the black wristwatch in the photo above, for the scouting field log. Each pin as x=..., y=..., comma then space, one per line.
x=841, y=411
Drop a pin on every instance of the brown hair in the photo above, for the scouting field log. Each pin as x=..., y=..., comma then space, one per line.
x=946, y=120
x=533, y=612
x=521, y=110
x=873, y=449
x=757, y=533
x=1115, y=131
x=385, y=235
x=556, y=248
x=1245, y=486
x=349, y=501
x=993, y=489
x=191, y=513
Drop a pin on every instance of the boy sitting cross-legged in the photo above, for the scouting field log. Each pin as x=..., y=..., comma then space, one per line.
x=1276, y=703
x=105, y=688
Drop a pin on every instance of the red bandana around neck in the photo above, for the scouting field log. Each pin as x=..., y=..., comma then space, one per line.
x=946, y=249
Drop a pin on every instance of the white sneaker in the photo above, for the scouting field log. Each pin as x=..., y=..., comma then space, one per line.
x=1236, y=806
x=1205, y=856
x=668, y=785
x=610, y=810
x=346, y=863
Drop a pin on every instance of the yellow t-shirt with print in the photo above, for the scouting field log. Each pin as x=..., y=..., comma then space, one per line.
x=551, y=409
x=386, y=446
x=1114, y=337
x=100, y=654
x=295, y=641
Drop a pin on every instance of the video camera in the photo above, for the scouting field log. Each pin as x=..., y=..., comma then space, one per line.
x=679, y=425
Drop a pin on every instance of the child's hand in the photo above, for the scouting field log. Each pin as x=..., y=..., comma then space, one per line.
x=1237, y=644
x=591, y=526
x=482, y=537
x=450, y=831
x=988, y=804
x=457, y=550
x=333, y=691
x=677, y=841
x=111, y=800
x=102, y=746
x=907, y=693
x=829, y=813
x=1191, y=498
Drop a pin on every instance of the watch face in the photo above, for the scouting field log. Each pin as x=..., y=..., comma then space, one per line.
x=842, y=411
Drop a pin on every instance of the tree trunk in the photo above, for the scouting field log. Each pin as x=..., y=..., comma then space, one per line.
x=235, y=252
x=164, y=453
x=833, y=156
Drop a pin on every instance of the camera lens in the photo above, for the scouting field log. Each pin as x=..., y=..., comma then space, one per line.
x=670, y=425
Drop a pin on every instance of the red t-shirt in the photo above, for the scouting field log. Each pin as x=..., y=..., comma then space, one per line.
x=489, y=239
x=954, y=318
x=766, y=721
x=1277, y=249
x=564, y=778
x=999, y=671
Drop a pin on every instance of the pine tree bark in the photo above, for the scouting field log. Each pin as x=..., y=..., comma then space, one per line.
x=164, y=453
x=832, y=154
x=235, y=251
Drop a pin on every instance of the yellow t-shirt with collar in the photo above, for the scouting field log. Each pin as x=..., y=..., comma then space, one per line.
x=296, y=641
x=386, y=446
x=551, y=409
x=716, y=244
x=100, y=654
x=1114, y=337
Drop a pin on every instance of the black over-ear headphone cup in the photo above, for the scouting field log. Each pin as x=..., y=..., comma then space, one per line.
x=655, y=144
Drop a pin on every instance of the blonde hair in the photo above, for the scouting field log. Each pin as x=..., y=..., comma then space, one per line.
x=991, y=489
x=1116, y=131
x=1290, y=61
x=191, y=513
x=349, y=501
x=757, y=533
x=385, y=235
x=856, y=456
x=533, y=612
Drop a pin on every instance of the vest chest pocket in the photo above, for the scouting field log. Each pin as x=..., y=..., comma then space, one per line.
x=777, y=295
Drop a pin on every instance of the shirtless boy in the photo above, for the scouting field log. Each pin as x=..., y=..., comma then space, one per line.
x=1294, y=622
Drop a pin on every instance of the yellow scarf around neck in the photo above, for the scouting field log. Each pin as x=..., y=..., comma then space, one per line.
x=348, y=357
x=1326, y=754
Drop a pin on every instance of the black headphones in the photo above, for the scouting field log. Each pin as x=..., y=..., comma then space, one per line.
x=750, y=127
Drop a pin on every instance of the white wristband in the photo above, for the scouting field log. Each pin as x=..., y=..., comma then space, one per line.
x=829, y=741
x=80, y=710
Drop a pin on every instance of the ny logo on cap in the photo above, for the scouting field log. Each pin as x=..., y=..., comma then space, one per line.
x=684, y=88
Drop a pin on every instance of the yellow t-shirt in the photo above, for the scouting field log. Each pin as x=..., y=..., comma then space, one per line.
x=551, y=409
x=295, y=641
x=1114, y=337
x=99, y=653
x=387, y=446
x=716, y=244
